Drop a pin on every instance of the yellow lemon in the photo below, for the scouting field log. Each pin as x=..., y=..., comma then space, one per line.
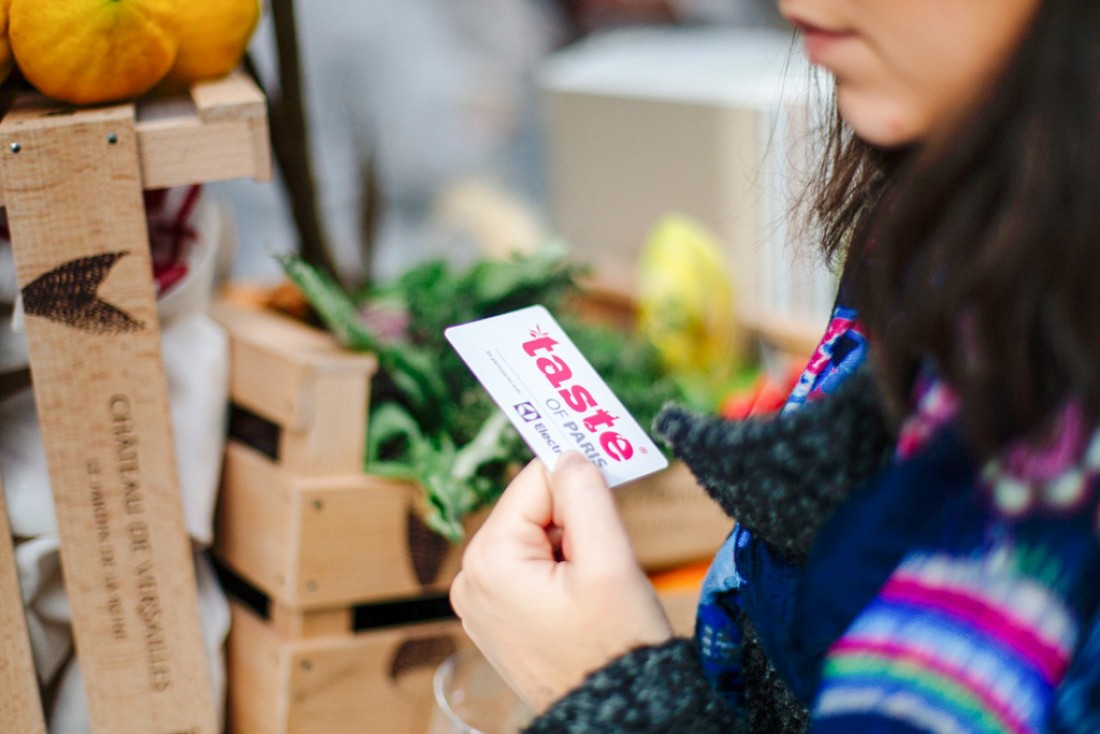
x=686, y=300
x=90, y=51
x=213, y=37
x=5, y=45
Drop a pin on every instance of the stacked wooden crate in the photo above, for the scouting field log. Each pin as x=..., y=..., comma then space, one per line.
x=71, y=181
x=349, y=616
x=321, y=543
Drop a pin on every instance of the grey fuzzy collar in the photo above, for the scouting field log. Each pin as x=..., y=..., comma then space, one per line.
x=782, y=476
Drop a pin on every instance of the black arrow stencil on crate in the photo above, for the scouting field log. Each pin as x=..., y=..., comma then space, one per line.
x=68, y=294
x=427, y=549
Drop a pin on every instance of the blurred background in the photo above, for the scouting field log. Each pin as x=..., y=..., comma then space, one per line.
x=428, y=123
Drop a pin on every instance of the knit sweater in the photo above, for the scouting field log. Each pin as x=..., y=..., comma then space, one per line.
x=883, y=583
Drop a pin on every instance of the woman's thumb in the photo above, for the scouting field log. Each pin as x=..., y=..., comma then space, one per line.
x=585, y=510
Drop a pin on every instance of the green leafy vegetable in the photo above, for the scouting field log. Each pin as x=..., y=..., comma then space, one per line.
x=431, y=422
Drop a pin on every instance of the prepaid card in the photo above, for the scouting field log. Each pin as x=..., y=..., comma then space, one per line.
x=552, y=394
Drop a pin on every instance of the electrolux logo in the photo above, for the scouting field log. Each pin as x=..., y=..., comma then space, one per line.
x=528, y=412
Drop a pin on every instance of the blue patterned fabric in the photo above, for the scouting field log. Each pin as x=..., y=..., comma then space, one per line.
x=717, y=633
x=841, y=352
x=1077, y=708
x=898, y=626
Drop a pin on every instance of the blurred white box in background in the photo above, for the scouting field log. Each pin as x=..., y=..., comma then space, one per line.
x=712, y=123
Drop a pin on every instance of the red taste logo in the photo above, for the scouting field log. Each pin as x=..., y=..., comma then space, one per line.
x=596, y=420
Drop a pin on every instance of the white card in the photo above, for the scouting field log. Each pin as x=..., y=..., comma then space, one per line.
x=552, y=395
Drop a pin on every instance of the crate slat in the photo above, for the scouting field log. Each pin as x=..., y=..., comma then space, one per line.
x=73, y=189
x=303, y=381
x=296, y=624
x=20, y=705
x=378, y=680
x=671, y=519
x=218, y=133
x=320, y=542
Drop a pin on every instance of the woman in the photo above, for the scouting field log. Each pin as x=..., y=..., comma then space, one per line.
x=917, y=547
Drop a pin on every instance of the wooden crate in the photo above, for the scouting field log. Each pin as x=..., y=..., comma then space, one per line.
x=670, y=519
x=332, y=552
x=315, y=673
x=327, y=672
x=71, y=180
x=339, y=536
x=297, y=517
x=336, y=563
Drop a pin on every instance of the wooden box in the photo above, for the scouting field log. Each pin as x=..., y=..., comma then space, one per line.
x=339, y=560
x=332, y=678
x=297, y=517
x=71, y=180
x=340, y=616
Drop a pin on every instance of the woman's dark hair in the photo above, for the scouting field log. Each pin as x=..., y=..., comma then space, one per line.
x=982, y=252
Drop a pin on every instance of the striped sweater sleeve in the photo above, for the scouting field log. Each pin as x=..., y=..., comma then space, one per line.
x=967, y=643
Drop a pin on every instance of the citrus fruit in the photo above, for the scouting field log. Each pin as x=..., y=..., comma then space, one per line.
x=5, y=46
x=213, y=37
x=685, y=307
x=90, y=51
x=686, y=299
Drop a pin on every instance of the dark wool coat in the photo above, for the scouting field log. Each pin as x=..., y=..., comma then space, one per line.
x=781, y=476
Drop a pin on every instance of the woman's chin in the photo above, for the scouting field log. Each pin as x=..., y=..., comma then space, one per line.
x=880, y=123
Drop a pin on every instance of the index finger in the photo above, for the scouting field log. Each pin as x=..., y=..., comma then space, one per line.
x=524, y=507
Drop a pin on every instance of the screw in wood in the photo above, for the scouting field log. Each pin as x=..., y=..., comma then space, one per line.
x=112, y=138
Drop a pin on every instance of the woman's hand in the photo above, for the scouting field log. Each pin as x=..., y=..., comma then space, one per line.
x=549, y=588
